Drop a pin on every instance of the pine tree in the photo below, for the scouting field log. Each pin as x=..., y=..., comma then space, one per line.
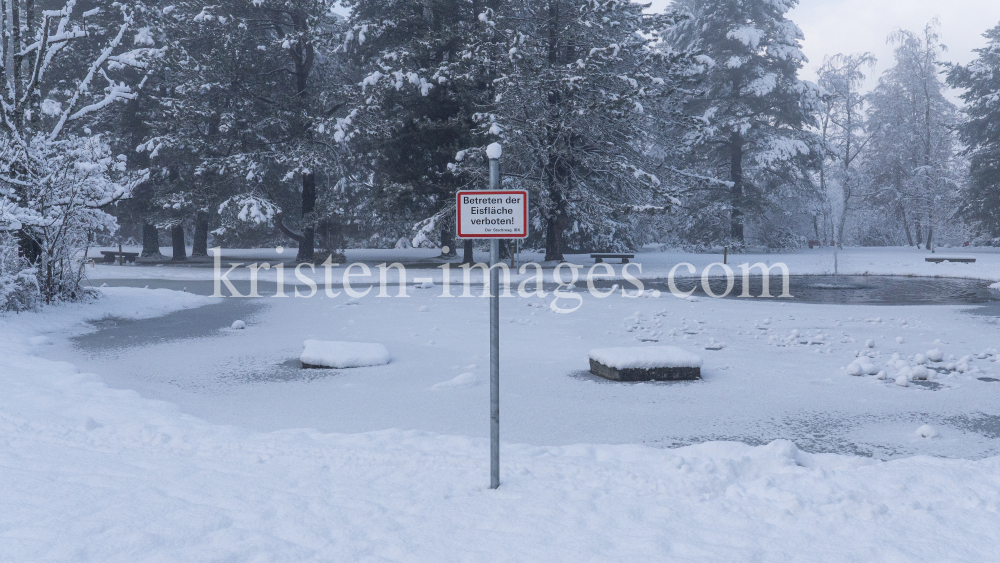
x=241, y=99
x=756, y=113
x=980, y=133
x=414, y=111
x=581, y=98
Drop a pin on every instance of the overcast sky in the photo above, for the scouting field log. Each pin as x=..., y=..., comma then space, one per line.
x=854, y=26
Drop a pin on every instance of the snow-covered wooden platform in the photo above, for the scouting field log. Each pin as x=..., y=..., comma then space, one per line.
x=645, y=363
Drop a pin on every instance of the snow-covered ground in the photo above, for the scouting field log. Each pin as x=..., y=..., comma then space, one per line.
x=201, y=442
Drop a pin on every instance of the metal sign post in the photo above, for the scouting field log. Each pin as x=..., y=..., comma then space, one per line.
x=493, y=214
x=494, y=342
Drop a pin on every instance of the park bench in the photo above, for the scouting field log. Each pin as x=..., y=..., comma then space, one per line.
x=111, y=255
x=600, y=256
x=939, y=259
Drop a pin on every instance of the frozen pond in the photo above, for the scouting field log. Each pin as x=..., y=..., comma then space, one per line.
x=780, y=374
x=826, y=289
x=858, y=290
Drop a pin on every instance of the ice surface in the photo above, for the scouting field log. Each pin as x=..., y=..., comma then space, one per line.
x=646, y=357
x=338, y=354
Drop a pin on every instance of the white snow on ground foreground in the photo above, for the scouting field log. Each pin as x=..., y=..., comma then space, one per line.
x=91, y=473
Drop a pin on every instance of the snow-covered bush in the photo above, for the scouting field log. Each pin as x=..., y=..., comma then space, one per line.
x=56, y=174
x=19, y=289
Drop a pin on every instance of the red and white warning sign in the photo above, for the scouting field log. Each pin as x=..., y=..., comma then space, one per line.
x=493, y=214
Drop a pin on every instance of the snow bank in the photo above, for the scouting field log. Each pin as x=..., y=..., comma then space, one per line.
x=646, y=357
x=460, y=381
x=335, y=354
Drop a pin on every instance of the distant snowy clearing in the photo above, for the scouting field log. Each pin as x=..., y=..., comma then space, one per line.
x=97, y=474
x=655, y=264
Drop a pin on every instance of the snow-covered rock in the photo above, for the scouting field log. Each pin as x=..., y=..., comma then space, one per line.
x=927, y=431
x=238, y=325
x=336, y=354
x=862, y=366
x=935, y=355
x=920, y=373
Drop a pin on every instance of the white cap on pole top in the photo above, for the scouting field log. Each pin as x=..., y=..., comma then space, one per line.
x=494, y=151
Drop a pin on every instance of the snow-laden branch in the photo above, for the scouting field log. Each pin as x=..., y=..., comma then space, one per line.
x=116, y=93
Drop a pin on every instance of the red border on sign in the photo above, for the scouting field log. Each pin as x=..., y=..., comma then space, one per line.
x=458, y=202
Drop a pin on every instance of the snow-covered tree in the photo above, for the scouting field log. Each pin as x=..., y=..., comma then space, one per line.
x=583, y=95
x=56, y=174
x=757, y=116
x=980, y=133
x=844, y=128
x=912, y=157
x=240, y=98
x=411, y=117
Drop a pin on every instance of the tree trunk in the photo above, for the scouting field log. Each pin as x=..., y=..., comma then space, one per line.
x=930, y=236
x=177, y=241
x=448, y=243
x=556, y=172
x=200, y=245
x=556, y=216
x=554, y=237
x=736, y=177
x=467, y=248
x=920, y=235
x=150, y=241
x=906, y=226
x=307, y=246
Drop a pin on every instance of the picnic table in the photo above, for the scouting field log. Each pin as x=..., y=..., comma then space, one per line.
x=111, y=255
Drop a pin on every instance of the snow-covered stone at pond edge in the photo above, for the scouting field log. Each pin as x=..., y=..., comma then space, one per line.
x=336, y=354
x=238, y=325
x=927, y=431
x=645, y=363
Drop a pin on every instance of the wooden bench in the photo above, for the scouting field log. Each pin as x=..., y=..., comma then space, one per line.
x=600, y=256
x=111, y=255
x=939, y=259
